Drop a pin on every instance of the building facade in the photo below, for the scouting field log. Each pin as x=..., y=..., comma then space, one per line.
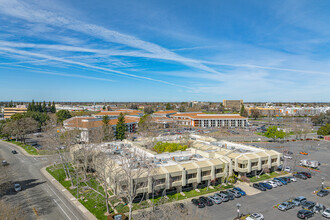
x=8, y=111
x=233, y=104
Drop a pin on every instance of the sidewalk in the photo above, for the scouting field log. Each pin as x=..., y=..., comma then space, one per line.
x=68, y=195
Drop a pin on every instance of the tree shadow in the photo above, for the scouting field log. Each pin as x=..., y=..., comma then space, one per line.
x=7, y=188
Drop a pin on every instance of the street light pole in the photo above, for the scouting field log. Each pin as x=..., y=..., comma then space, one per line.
x=322, y=182
x=238, y=206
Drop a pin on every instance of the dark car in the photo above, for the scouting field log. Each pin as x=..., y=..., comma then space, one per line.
x=266, y=185
x=230, y=195
x=258, y=186
x=323, y=192
x=14, y=151
x=240, y=191
x=305, y=214
x=197, y=203
x=308, y=205
x=307, y=174
x=287, y=179
x=206, y=201
x=300, y=176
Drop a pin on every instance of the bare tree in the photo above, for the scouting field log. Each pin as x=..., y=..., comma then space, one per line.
x=134, y=170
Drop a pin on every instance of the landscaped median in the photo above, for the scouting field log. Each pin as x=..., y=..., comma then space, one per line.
x=267, y=176
x=28, y=148
x=95, y=203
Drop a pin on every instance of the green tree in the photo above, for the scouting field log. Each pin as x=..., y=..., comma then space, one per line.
x=274, y=133
x=44, y=108
x=53, y=108
x=243, y=112
x=62, y=115
x=168, y=106
x=107, y=129
x=324, y=130
x=121, y=127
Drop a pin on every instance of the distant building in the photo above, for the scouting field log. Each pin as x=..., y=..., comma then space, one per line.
x=167, y=113
x=9, y=111
x=115, y=114
x=267, y=111
x=233, y=104
x=198, y=119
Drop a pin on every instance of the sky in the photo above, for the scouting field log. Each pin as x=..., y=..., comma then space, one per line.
x=165, y=50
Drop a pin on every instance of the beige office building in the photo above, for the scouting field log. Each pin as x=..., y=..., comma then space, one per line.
x=233, y=104
x=9, y=111
x=207, y=162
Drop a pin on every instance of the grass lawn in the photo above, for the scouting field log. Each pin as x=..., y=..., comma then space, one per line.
x=95, y=203
x=28, y=148
x=265, y=176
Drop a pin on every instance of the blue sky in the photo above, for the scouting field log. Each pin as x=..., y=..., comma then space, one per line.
x=165, y=50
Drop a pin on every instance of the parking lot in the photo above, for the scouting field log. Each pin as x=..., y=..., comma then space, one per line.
x=264, y=202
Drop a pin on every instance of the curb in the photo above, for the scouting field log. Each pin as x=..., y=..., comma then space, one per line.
x=85, y=212
x=22, y=151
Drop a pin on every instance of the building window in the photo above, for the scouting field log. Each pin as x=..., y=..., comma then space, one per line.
x=160, y=181
x=192, y=175
x=253, y=164
x=219, y=170
x=206, y=173
x=240, y=165
x=274, y=160
x=264, y=162
x=176, y=178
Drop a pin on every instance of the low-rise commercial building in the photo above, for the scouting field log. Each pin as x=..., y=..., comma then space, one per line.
x=233, y=104
x=9, y=111
x=206, y=162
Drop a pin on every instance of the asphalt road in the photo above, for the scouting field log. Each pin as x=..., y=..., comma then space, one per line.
x=38, y=198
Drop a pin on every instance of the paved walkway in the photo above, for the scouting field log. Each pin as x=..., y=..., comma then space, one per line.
x=68, y=195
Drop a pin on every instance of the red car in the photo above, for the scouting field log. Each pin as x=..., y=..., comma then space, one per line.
x=308, y=175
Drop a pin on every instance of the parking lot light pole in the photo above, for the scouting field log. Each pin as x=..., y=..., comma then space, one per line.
x=238, y=206
x=322, y=182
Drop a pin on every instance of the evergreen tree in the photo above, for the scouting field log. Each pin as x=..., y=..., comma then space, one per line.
x=62, y=115
x=243, y=112
x=121, y=127
x=39, y=107
x=33, y=106
x=53, y=108
x=44, y=108
x=168, y=106
x=29, y=109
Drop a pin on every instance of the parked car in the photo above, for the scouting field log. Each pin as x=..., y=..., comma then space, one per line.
x=235, y=193
x=14, y=152
x=230, y=195
x=307, y=174
x=222, y=196
x=326, y=213
x=279, y=183
x=17, y=187
x=272, y=183
x=318, y=208
x=240, y=190
x=292, y=179
x=299, y=200
x=258, y=186
x=286, y=206
x=308, y=205
x=287, y=157
x=305, y=214
x=281, y=180
x=287, y=169
x=323, y=192
x=197, y=203
x=266, y=185
x=206, y=201
x=300, y=176
x=255, y=216
x=215, y=199
x=286, y=179
x=4, y=163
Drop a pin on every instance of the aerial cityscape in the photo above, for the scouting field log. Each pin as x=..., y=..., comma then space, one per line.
x=164, y=110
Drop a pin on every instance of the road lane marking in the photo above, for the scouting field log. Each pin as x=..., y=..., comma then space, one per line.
x=62, y=202
x=62, y=209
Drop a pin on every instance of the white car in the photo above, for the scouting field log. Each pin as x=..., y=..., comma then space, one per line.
x=287, y=169
x=287, y=157
x=293, y=179
x=326, y=213
x=272, y=183
x=255, y=216
x=17, y=187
